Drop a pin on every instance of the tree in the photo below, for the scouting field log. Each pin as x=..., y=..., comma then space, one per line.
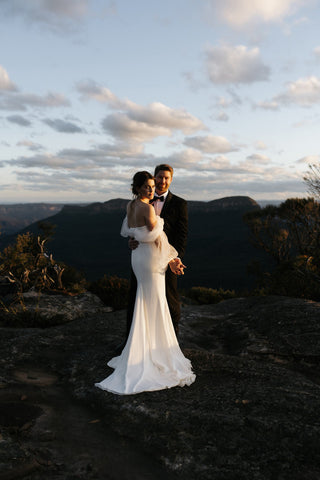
x=290, y=233
x=312, y=179
x=27, y=264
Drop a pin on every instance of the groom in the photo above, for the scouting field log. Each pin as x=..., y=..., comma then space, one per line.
x=174, y=212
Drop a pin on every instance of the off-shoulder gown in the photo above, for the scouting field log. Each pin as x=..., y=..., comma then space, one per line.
x=151, y=359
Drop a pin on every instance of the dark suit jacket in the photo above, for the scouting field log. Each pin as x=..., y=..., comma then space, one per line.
x=175, y=215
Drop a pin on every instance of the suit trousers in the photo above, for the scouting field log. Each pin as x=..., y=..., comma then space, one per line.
x=172, y=295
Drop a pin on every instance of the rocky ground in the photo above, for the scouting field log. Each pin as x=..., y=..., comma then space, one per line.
x=252, y=414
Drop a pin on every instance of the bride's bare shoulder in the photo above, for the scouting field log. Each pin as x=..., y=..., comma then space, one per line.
x=130, y=206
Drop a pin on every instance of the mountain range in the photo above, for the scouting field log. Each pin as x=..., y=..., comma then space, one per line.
x=218, y=252
x=15, y=217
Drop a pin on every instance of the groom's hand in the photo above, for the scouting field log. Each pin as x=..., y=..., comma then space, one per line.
x=133, y=243
x=177, y=267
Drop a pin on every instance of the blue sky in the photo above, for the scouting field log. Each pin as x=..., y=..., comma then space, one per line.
x=226, y=91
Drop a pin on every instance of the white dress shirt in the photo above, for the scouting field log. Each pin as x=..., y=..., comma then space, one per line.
x=158, y=205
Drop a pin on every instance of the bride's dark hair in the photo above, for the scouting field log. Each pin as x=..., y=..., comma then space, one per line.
x=139, y=179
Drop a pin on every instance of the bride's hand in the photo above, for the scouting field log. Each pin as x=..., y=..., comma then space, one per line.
x=177, y=267
x=133, y=243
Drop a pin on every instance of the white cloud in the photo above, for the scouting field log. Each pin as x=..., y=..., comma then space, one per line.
x=138, y=122
x=305, y=92
x=189, y=159
x=21, y=101
x=96, y=173
x=239, y=13
x=159, y=114
x=316, y=52
x=46, y=160
x=258, y=158
x=235, y=64
x=210, y=144
x=309, y=159
x=90, y=89
x=224, y=102
x=103, y=156
x=122, y=127
x=120, y=150
x=260, y=145
x=30, y=145
x=268, y=105
x=5, y=82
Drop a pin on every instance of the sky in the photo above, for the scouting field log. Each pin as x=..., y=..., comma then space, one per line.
x=91, y=91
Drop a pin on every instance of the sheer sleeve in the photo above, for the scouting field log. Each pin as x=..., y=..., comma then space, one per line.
x=166, y=251
x=125, y=230
x=163, y=251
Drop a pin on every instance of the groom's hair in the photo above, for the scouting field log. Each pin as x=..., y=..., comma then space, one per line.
x=165, y=167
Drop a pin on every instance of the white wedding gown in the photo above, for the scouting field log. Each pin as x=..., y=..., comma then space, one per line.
x=151, y=359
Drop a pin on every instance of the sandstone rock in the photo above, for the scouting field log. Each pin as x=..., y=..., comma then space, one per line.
x=47, y=309
x=251, y=414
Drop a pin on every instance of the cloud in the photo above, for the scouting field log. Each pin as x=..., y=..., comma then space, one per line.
x=58, y=15
x=56, y=182
x=46, y=161
x=21, y=101
x=19, y=120
x=104, y=156
x=240, y=13
x=5, y=82
x=122, y=127
x=30, y=145
x=305, y=92
x=258, y=158
x=260, y=145
x=90, y=89
x=106, y=170
x=94, y=186
x=235, y=64
x=316, y=52
x=63, y=126
x=158, y=114
x=268, y=105
x=136, y=122
x=210, y=144
x=309, y=159
x=222, y=117
x=188, y=159
x=102, y=152
x=288, y=28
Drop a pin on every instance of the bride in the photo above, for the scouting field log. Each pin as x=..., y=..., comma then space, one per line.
x=151, y=359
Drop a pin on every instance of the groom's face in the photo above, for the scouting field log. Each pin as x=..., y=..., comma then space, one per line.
x=163, y=180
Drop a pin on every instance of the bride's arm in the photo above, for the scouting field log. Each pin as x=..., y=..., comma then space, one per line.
x=150, y=217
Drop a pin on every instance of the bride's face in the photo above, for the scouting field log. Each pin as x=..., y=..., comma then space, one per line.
x=147, y=190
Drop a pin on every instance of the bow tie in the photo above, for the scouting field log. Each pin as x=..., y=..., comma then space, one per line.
x=155, y=198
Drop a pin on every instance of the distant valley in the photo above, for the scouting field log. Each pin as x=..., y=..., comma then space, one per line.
x=87, y=237
x=15, y=217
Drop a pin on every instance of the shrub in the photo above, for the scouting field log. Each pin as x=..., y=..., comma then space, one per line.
x=27, y=265
x=112, y=290
x=290, y=233
x=73, y=280
x=205, y=296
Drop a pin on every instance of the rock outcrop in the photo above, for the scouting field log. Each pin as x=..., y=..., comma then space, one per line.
x=251, y=414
